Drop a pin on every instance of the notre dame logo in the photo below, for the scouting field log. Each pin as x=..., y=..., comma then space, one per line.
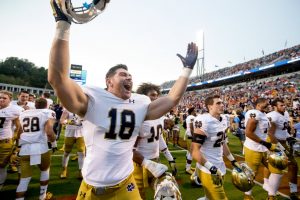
x=252, y=115
x=198, y=124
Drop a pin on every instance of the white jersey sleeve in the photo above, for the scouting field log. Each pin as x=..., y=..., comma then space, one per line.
x=112, y=126
x=189, y=120
x=7, y=115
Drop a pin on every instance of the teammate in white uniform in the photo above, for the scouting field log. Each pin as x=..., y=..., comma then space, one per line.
x=149, y=144
x=280, y=119
x=73, y=135
x=112, y=117
x=8, y=117
x=23, y=101
x=37, y=129
x=209, y=146
x=255, y=145
x=189, y=136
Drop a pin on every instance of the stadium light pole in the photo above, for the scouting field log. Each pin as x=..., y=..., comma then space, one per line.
x=201, y=53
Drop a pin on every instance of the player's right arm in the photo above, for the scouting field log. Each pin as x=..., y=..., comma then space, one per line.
x=69, y=92
x=49, y=130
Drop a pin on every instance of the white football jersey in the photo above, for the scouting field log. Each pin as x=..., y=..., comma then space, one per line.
x=262, y=127
x=112, y=126
x=31, y=105
x=150, y=134
x=189, y=119
x=7, y=115
x=74, y=126
x=212, y=148
x=282, y=123
x=33, y=139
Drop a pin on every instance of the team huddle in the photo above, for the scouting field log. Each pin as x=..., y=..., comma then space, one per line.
x=119, y=134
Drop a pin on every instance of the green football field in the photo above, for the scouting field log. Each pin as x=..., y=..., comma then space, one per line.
x=67, y=188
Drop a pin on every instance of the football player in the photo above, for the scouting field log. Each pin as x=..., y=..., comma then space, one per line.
x=9, y=116
x=209, y=146
x=280, y=120
x=149, y=144
x=73, y=135
x=37, y=130
x=189, y=136
x=255, y=145
x=112, y=117
x=23, y=101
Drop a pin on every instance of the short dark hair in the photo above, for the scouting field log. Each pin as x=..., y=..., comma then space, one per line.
x=210, y=100
x=260, y=100
x=23, y=91
x=46, y=95
x=144, y=88
x=40, y=103
x=190, y=110
x=113, y=70
x=274, y=102
x=32, y=95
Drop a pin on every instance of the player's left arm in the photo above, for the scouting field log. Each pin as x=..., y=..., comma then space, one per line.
x=49, y=129
x=18, y=130
x=162, y=105
x=229, y=156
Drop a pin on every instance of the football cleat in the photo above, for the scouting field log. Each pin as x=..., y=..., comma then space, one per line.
x=243, y=179
x=166, y=188
x=83, y=13
x=278, y=159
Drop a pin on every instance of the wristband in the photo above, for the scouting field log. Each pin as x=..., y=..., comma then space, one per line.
x=208, y=165
x=62, y=30
x=186, y=72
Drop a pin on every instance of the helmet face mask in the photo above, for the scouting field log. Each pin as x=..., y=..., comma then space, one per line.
x=166, y=188
x=278, y=159
x=243, y=179
x=84, y=13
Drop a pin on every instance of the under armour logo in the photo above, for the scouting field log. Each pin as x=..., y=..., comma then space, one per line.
x=131, y=101
x=130, y=187
x=82, y=194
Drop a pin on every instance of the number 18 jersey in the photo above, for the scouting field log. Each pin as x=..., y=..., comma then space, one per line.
x=111, y=125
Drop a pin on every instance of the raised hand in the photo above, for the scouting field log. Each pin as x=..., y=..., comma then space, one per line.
x=57, y=12
x=191, y=56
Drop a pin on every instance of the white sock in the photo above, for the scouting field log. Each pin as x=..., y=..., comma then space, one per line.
x=23, y=184
x=293, y=187
x=249, y=192
x=43, y=191
x=65, y=159
x=274, y=182
x=80, y=159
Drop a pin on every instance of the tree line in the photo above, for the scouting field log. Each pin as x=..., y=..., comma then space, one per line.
x=19, y=71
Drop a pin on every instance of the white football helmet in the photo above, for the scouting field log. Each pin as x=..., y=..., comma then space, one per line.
x=243, y=179
x=84, y=13
x=166, y=188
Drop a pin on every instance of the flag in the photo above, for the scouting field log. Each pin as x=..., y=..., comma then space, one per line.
x=216, y=66
x=244, y=58
x=229, y=62
x=263, y=52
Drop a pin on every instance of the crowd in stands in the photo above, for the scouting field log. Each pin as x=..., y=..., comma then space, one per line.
x=262, y=61
x=242, y=96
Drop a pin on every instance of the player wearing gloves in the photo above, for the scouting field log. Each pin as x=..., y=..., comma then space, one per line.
x=112, y=117
x=209, y=146
x=279, y=119
x=149, y=144
x=37, y=130
x=256, y=146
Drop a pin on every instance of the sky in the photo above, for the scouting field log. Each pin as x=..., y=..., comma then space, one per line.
x=146, y=35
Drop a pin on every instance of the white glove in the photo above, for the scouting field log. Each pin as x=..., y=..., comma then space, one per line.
x=157, y=169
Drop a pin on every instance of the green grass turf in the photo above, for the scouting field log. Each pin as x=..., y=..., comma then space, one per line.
x=69, y=186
